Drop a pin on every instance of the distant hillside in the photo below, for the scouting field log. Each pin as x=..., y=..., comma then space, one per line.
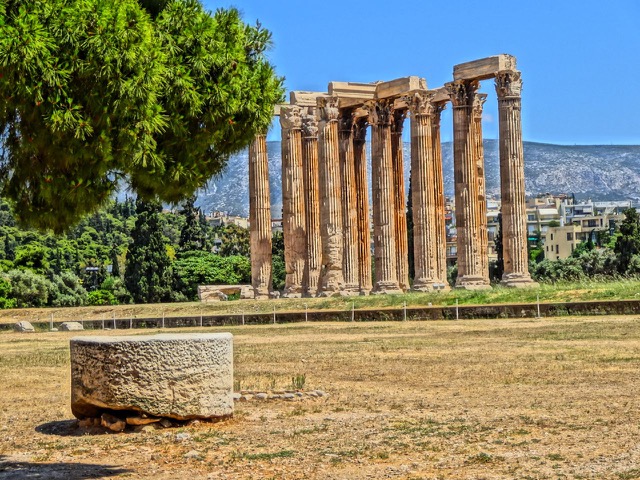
x=599, y=172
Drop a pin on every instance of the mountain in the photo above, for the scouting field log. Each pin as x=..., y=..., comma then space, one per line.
x=599, y=172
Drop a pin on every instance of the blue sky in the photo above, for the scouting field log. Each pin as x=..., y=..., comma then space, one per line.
x=580, y=60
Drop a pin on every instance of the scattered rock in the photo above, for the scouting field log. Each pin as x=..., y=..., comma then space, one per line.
x=262, y=396
x=53, y=329
x=193, y=454
x=166, y=423
x=182, y=437
x=236, y=396
x=112, y=422
x=142, y=420
x=289, y=396
x=320, y=393
x=23, y=327
x=145, y=428
x=71, y=327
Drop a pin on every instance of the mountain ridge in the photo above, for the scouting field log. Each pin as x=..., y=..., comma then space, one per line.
x=599, y=172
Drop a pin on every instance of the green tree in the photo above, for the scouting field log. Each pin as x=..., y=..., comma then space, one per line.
x=93, y=93
x=499, y=266
x=148, y=274
x=628, y=243
x=191, y=236
x=234, y=241
x=278, y=271
x=204, y=268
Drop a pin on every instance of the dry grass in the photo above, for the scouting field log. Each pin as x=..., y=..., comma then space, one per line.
x=550, y=398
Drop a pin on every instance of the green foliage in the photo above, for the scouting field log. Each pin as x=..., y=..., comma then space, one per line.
x=28, y=288
x=278, y=271
x=67, y=291
x=95, y=92
x=203, y=268
x=499, y=265
x=192, y=236
x=628, y=242
x=5, y=292
x=235, y=241
x=148, y=274
x=101, y=297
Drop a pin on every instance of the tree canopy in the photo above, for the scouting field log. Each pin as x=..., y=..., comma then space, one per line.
x=93, y=93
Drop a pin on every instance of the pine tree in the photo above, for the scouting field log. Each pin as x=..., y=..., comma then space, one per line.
x=148, y=273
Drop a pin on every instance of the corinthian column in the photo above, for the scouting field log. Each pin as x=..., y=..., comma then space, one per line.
x=514, y=223
x=382, y=187
x=470, y=273
x=349, y=204
x=293, y=221
x=397, y=159
x=478, y=154
x=331, y=227
x=441, y=230
x=362, y=198
x=424, y=193
x=260, y=218
x=312, y=204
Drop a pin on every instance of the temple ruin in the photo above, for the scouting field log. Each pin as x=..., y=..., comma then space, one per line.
x=326, y=218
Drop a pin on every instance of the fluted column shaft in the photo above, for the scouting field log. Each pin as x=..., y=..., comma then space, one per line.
x=362, y=199
x=293, y=211
x=331, y=224
x=514, y=220
x=311, y=181
x=397, y=159
x=260, y=217
x=382, y=186
x=441, y=230
x=424, y=195
x=349, y=204
x=478, y=154
x=470, y=274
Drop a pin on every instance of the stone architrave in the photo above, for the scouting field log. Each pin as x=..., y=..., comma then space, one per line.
x=400, y=203
x=349, y=204
x=470, y=274
x=312, y=202
x=424, y=193
x=260, y=218
x=382, y=187
x=514, y=223
x=331, y=224
x=478, y=154
x=181, y=376
x=293, y=201
x=362, y=198
x=441, y=230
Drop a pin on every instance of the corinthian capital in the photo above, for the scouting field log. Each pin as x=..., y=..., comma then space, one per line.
x=508, y=83
x=328, y=109
x=380, y=112
x=290, y=117
x=420, y=103
x=477, y=103
x=462, y=92
x=310, y=125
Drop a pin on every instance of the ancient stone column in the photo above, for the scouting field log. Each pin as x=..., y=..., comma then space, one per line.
x=362, y=198
x=441, y=230
x=478, y=154
x=260, y=218
x=470, y=273
x=397, y=159
x=382, y=187
x=312, y=203
x=331, y=277
x=514, y=219
x=424, y=195
x=293, y=211
x=349, y=204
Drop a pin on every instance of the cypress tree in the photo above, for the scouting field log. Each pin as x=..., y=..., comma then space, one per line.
x=148, y=272
x=191, y=236
x=628, y=243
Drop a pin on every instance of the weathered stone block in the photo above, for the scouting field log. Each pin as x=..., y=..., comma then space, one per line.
x=23, y=327
x=71, y=327
x=181, y=376
x=400, y=86
x=484, y=68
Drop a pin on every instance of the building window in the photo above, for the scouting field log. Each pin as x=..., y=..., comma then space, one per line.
x=569, y=236
x=557, y=249
x=552, y=236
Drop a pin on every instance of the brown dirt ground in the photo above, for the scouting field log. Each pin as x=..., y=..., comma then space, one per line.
x=477, y=399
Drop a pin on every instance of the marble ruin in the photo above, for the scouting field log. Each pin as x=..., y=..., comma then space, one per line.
x=326, y=218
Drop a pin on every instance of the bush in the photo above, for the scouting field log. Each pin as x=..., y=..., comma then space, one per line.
x=101, y=297
x=67, y=291
x=28, y=289
x=195, y=268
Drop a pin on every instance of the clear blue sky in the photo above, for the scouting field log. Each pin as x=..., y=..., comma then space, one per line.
x=580, y=60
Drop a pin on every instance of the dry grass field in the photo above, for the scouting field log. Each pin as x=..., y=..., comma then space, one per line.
x=483, y=399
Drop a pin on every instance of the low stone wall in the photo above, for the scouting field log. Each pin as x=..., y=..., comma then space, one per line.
x=180, y=376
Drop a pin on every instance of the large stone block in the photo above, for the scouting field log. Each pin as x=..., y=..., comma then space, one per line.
x=23, y=327
x=71, y=327
x=484, y=68
x=181, y=376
